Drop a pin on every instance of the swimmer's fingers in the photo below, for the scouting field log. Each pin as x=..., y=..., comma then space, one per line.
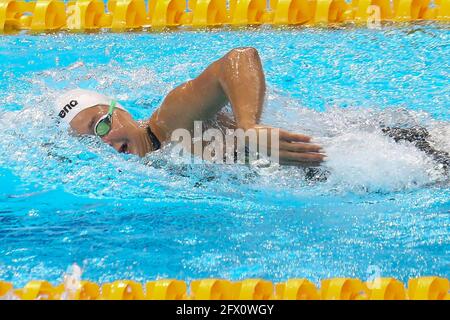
x=300, y=147
x=284, y=134
x=293, y=137
x=303, y=159
x=300, y=164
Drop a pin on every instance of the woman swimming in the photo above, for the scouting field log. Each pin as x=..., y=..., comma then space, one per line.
x=236, y=78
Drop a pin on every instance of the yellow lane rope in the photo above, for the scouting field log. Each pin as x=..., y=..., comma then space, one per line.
x=423, y=288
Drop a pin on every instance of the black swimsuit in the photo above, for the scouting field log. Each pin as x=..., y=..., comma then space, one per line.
x=419, y=136
x=155, y=142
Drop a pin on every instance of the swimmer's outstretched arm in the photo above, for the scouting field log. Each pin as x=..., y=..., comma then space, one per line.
x=237, y=78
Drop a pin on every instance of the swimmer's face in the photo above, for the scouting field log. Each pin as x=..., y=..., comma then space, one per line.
x=126, y=136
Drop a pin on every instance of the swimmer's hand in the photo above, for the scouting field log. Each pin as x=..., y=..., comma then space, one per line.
x=295, y=149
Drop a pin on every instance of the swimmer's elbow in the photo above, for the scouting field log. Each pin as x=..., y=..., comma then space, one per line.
x=237, y=53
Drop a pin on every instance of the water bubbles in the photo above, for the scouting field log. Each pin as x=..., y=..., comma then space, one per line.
x=371, y=162
x=33, y=213
x=360, y=157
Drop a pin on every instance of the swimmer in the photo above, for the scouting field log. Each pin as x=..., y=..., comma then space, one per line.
x=236, y=78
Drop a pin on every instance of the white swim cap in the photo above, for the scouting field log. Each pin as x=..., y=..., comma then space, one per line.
x=74, y=101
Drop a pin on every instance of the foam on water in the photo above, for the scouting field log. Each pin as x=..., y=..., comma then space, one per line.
x=360, y=157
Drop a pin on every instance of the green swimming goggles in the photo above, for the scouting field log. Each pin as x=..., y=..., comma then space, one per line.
x=104, y=124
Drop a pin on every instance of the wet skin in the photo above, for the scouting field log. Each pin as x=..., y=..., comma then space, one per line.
x=236, y=78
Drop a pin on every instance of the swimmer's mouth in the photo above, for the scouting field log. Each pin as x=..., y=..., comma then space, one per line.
x=123, y=148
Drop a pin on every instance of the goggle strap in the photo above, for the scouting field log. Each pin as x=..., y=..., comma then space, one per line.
x=112, y=106
x=107, y=116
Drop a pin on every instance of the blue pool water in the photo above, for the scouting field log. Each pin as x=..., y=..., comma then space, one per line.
x=384, y=209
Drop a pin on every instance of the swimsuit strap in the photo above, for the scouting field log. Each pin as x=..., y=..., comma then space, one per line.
x=155, y=142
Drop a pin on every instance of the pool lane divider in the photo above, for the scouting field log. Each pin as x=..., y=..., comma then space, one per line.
x=121, y=15
x=423, y=288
